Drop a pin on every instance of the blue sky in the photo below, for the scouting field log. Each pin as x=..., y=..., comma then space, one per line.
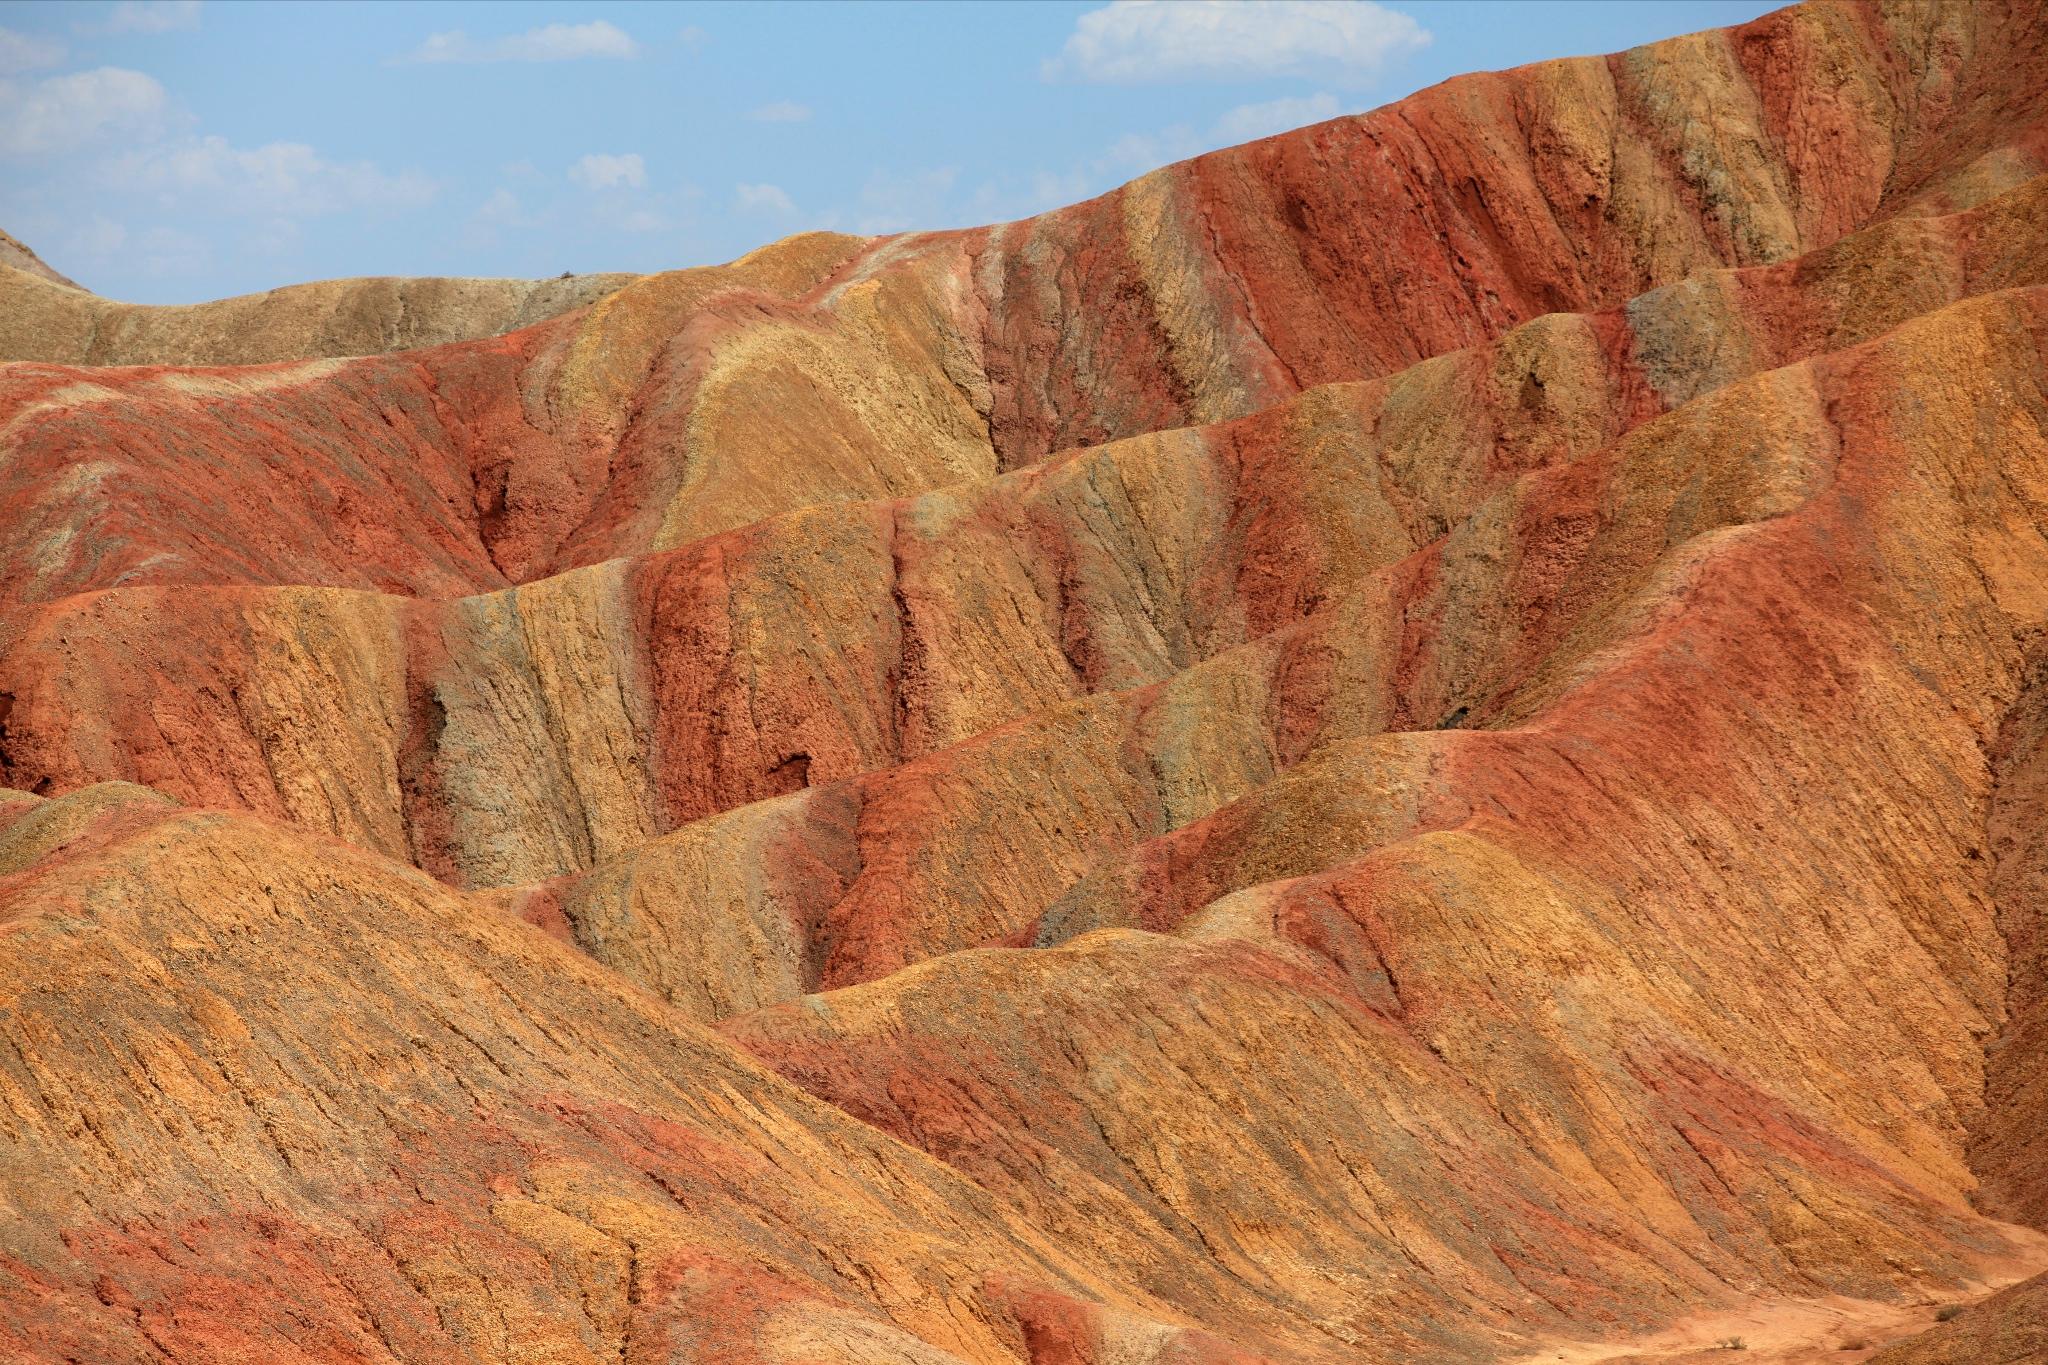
x=175, y=152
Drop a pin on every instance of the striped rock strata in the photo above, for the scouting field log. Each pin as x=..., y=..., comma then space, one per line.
x=1402, y=743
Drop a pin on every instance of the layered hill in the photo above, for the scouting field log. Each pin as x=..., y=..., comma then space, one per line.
x=45, y=316
x=1411, y=742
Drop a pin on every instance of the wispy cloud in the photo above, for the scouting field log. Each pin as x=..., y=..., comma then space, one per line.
x=894, y=203
x=100, y=237
x=1014, y=196
x=762, y=199
x=27, y=52
x=1249, y=121
x=65, y=113
x=501, y=207
x=554, y=43
x=1342, y=41
x=159, y=250
x=147, y=16
x=619, y=201
x=923, y=200
x=782, y=111
x=603, y=172
x=1133, y=154
x=280, y=180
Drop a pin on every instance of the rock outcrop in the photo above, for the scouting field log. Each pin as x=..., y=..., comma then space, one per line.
x=1410, y=742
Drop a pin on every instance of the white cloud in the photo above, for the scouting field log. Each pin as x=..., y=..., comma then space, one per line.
x=167, y=253
x=163, y=252
x=101, y=237
x=64, y=113
x=158, y=250
x=1136, y=153
x=271, y=236
x=148, y=16
x=555, y=43
x=897, y=202
x=501, y=210
x=1344, y=41
x=1249, y=121
x=693, y=38
x=1133, y=154
x=27, y=52
x=1015, y=196
x=280, y=180
x=762, y=199
x=602, y=172
x=782, y=111
x=501, y=207
x=543, y=216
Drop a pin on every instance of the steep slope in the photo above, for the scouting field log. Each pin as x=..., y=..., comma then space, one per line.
x=1234, y=778
x=2010, y=1147
x=837, y=368
x=16, y=255
x=1782, y=762
x=634, y=697
x=273, y=1098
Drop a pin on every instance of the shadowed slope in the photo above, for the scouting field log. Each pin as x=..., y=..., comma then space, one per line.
x=2010, y=1147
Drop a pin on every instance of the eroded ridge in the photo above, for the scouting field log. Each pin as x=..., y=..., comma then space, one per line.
x=1409, y=742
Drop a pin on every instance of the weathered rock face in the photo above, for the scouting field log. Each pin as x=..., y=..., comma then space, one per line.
x=1395, y=744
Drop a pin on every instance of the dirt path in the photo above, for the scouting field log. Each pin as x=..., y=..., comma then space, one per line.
x=1800, y=1331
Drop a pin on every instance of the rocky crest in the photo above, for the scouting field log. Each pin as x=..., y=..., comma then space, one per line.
x=1410, y=742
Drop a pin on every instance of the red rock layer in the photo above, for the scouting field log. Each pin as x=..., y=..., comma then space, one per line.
x=839, y=641
x=329, y=1112
x=1207, y=290
x=1398, y=829
x=1737, y=819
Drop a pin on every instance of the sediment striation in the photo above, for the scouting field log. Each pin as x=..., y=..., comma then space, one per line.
x=1411, y=742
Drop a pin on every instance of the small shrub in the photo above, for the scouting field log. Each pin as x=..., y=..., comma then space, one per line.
x=1735, y=1344
x=1855, y=1344
x=1947, y=1311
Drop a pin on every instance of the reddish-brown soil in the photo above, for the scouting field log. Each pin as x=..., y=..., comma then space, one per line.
x=1419, y=741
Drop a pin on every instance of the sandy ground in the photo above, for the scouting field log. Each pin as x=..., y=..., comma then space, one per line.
x=1801, y=1331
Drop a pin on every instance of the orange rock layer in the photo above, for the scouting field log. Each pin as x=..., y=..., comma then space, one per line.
x=1401, y=743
